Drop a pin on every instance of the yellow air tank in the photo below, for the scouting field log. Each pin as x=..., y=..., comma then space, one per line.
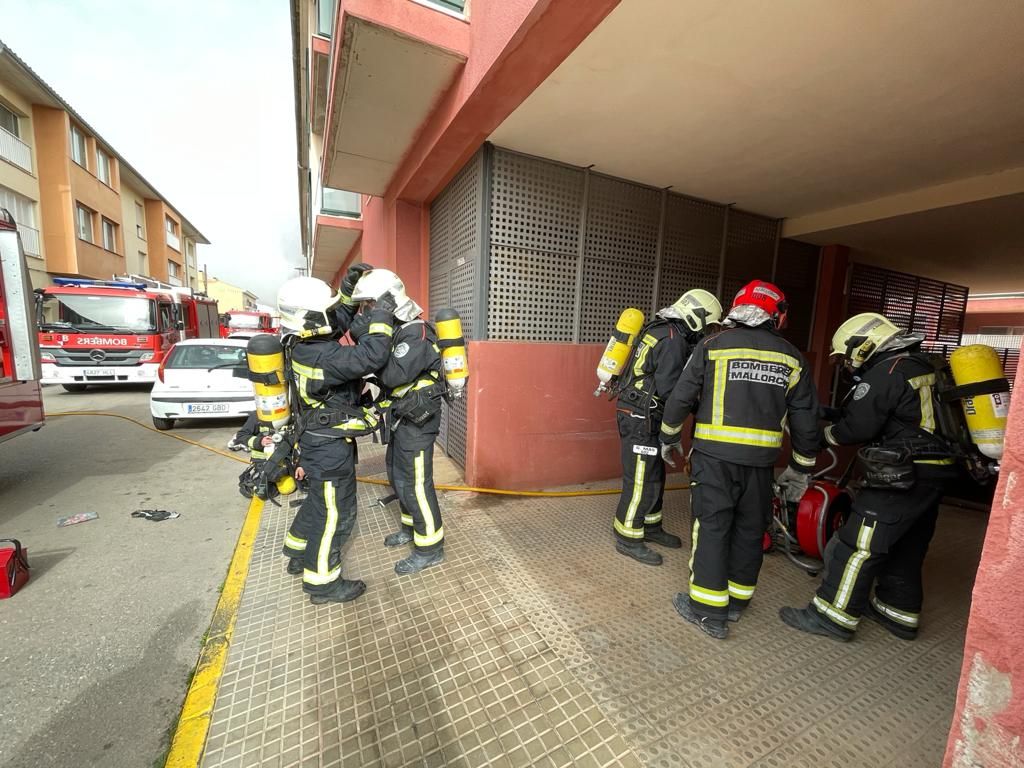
x=265, y=357
x=985, y=397
x=619, y=346
x=266, y=367
x=453, y=350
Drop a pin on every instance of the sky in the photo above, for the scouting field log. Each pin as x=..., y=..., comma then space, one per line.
x=198, y=96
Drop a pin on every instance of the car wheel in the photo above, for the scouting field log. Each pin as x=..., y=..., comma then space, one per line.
x=162, y=424
x=74, y=387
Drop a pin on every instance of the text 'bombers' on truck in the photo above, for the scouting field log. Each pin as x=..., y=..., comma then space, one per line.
x=115, y=331
x=21, y=401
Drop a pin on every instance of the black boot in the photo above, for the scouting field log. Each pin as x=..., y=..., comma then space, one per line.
x=418, y=561
x=735, y=613
x=810, y=621
x=295, y=566
x=662, y=537
x=398, y=538
x=639, y=552
x=717, y=628
x=902, y=632
x=342, y=591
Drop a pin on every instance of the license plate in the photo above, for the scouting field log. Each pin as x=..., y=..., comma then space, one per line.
x=100, y=372
x=207, y=408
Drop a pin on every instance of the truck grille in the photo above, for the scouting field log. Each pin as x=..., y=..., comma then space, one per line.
x=114, y=357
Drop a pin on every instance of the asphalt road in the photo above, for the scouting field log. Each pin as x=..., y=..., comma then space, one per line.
x=97, y=650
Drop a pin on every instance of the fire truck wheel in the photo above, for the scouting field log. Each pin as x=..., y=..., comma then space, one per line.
x=74, y=387
x=162, y=424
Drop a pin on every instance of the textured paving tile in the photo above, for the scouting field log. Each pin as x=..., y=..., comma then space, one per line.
x=536, y=645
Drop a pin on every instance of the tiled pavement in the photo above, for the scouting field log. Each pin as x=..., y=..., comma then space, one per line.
x=535, y=644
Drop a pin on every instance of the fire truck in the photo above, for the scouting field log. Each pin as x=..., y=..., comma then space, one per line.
x=239, y=320
x=21, y=400
x=115, y=331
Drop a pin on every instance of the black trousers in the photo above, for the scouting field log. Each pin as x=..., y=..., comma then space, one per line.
x=732, y=506
x=326, y=516
x=884, y=542
x=643, y=478
x=410, y=465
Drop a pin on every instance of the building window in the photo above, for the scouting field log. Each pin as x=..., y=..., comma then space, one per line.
x=457, y=7
x=78, y=148
x=172, y=233
x=325, y=17
x=173, y=269
x=140, y=221
x=109, y=235
x=83, y=223
x=9, y=121
x=142, y=264
x=103, y=164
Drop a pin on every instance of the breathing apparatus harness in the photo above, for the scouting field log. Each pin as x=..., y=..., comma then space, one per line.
x=418, y=401
x=632, y=387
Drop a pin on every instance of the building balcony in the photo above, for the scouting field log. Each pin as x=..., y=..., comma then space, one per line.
x=333, y=240
x=391, y=63
x=15, y=151
x=29, y=240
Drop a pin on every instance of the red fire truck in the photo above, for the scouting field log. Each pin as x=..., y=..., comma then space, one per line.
x=21, y=401
x=245, y=321
x=115, y=331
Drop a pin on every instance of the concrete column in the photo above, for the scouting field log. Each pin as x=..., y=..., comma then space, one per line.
x=829, y=312
x=989, y=719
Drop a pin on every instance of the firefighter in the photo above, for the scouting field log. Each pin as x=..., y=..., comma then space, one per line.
x=655, y=363
x=414, y=386
x=886, y=537
x=749, y=381
x=327, y=381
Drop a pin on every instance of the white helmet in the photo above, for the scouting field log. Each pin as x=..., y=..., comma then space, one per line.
x=697, y=308
x=305, y=305
x=863, y=335
x=375, y=283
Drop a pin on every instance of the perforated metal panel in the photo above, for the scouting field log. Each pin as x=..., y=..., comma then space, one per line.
x=531, y=295
x=750, y=250
x=456, y=253
x=796, y=273
x=608, y=288
x=622, y=221
x=535, y=205
x=692, y=247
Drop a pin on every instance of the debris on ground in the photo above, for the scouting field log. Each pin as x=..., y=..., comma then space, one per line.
x=81, y=517
x=156, y=515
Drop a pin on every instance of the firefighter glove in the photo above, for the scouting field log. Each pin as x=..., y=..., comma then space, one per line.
x=352, y=277
x=667, y=449
x=793, y=484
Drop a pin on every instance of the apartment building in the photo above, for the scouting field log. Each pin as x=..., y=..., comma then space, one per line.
x=228, y=296
x=81, y=208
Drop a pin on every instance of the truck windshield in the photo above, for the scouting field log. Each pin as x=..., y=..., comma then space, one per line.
x=244, y=321
x=64, y=312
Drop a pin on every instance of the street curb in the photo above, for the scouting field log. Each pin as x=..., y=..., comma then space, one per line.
x=189, y=738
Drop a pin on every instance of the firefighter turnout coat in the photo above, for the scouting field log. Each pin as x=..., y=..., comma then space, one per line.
x=652, y=371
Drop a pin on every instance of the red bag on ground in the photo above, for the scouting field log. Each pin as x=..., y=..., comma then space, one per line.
x=14, y=566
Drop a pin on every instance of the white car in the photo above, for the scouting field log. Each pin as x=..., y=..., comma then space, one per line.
x=197, y=381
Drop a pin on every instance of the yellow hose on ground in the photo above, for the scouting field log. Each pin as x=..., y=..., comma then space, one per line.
x=371, y=480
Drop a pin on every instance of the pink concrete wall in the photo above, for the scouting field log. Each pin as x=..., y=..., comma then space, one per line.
x=975, y=320
x=533, y=421
x=989, y=722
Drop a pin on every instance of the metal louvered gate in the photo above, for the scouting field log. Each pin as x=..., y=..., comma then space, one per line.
x=528, y=249
x=456, y=275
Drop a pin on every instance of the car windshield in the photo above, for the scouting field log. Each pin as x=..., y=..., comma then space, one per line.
x=206, y=356
x=112, y=314
x=244, y=321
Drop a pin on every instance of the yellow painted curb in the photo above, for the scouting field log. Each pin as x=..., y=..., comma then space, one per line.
x=194, y=723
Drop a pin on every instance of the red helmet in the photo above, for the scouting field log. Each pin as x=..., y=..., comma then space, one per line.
x=765, y=296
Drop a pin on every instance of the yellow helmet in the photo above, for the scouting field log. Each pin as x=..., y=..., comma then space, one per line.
x=862, y=336
x=698, y=309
